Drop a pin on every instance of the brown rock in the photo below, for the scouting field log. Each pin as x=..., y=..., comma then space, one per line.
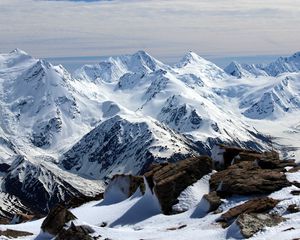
x=14, y=234
x=235, y=155
x=169, y=180
x=252, y=223
x=246, y=178
x=259, y=205
x=56, y=220
x=75, y=233
x=293, y=208
x=214, y=201
x=265, y=160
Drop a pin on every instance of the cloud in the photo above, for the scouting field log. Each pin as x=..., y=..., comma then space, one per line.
x=78, y=0
x=165, y=28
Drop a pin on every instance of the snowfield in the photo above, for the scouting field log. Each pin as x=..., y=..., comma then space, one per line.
x=139, y=217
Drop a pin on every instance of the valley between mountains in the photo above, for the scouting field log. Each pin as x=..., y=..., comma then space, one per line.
x=70, y=138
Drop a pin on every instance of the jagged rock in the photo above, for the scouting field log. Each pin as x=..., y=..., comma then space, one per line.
x=213, y=200
x=228, y=155
x=56, y=220
x=251, y=223
x=10, y=233
x=225, y=156
x=126, y=185
x=41, y=188
x=239, y=179
x=75, y=233
x=170, y=179
x=293, y=208
x=259, y=205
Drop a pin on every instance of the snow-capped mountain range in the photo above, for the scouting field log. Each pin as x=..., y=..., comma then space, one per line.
x=67, y=133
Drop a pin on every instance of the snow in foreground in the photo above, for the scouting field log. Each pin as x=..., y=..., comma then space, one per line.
x=139, y=217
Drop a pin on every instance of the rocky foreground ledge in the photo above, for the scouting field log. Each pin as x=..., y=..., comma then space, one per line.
x=238, y=172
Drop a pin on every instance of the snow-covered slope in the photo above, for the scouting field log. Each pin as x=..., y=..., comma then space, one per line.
x=122, y=146
x=126, y=112
x=139, y=217
x=281, y=65
x=268, y=96
x=183, y=97
x=113, y=68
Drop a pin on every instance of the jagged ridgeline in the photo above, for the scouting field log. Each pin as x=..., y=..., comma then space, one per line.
x=63, y=136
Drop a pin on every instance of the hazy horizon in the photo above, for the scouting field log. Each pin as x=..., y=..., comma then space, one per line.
x=166, y=29
x=73, y=63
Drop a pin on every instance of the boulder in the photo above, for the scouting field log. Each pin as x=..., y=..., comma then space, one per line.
x=232, y=155
x=75, y=233
x=247, y=178
x=259, y=205
x=251, y=223
x=214, y=201
x=168, y=180
x=293, y=208
x=10, y=233
x=224, y=156
x=57, y=219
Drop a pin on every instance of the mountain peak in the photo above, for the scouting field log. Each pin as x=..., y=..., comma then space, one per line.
x=142, y=53
x=18, y=51
x=296, y=55
x=192, y=57
x=234, y=69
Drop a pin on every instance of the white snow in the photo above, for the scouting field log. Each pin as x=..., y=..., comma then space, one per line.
x=164, y=107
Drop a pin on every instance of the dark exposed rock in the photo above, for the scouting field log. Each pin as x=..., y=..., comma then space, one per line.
x=14, y=233
x=251, y=223
x=214, y=201
x=265, y=160
x=170, y=179
x=231, y=154
x=294, y=169
x=259, y=205
x=177, y=228
x=56, y=220
x=293, y=208
x=246, y=178
x=4, y=167
x=295, y=192
x=289, y=229
x=31, y=189
x=75, y=233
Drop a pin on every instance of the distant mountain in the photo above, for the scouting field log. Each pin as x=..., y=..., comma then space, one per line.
x=281, y=65
x=64, y=135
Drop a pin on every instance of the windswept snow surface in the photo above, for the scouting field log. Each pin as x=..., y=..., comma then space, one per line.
x=139, y=217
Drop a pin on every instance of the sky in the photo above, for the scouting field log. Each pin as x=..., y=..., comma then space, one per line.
x=167, y=29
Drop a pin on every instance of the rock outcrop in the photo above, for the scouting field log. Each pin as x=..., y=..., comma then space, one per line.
x=247, y=178
x=251, y=223
x=168, y=180
x=259, y=205
x=10, y=233
x=228, y=155
x=75, y=233
x=58, y=217
x=213, y=200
